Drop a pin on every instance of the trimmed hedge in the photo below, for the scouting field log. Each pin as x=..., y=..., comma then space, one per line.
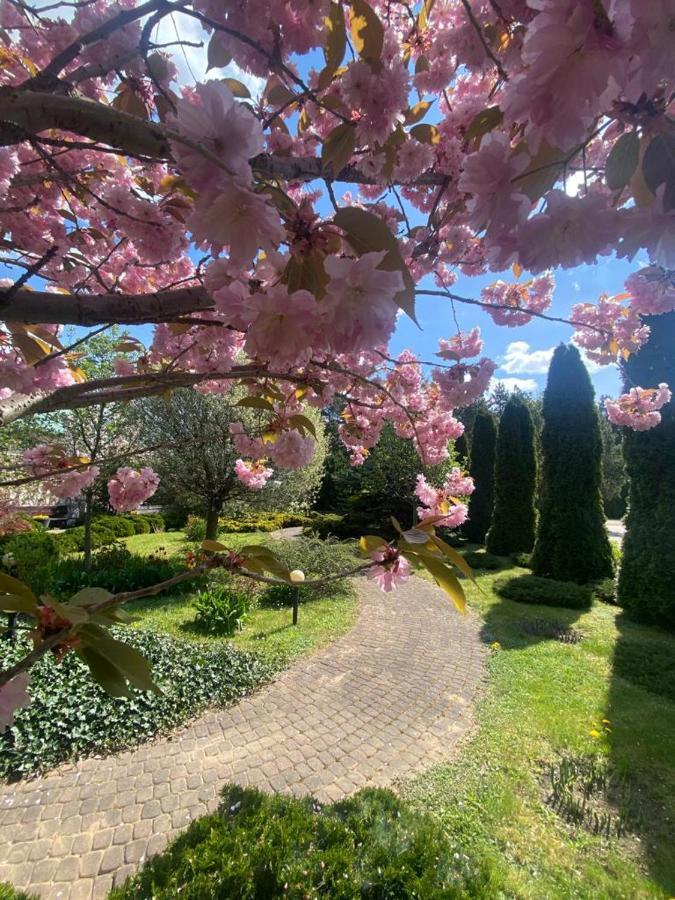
x=546, y=591
x=485, y=561
x=71, y=716
x=259, y=847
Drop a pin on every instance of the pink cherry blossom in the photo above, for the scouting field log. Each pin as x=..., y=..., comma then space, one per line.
x=131, y=487
x=254, y=475
x=285, y=327
x=461, y=345
x=443, y=502
x=535, y=295
x=608, y=329
x=359, y=309
x=226, y=128
x=394, y=569
x=639, y=408
x=291, y=450
x=652, y=291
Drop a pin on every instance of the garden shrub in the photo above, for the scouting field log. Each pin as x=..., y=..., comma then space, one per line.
x=524, y=560
x=71, y=716
x=513, y=517
x=324, y=525
x=316, y=558
x=533, y=589
x=604, y=590
x=114, y=568
x=31, y=557
x=72, y=540
x=371, y=846
x=646, y=588
x=481, y=469
x=119, y=525
x=279, y=595
x=195, y=529
x=572, y=542
x=486, y=561
x=222, y=609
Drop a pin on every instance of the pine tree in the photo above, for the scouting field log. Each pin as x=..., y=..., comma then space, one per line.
x=572, y=542
x=647, y=577
x=481, y=469
x=513, y=518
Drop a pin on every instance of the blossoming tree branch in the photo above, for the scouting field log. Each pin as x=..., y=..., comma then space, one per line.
x=518, y=135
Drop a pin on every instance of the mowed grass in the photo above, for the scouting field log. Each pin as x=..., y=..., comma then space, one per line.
x=545, y=700
x=267, y=631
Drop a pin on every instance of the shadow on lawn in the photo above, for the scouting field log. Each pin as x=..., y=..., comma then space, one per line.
x=641, y=714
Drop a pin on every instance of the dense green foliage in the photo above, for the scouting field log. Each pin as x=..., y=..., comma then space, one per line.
x=114, y=568
x=481, y=469
x=647, y=578
x=572, y=542
x=513, y=518
x=71, y=716
x=370, y=846
x=221, y=609
x=614, y=478
x=316, y=558
x=533, y=589
x=486, y=562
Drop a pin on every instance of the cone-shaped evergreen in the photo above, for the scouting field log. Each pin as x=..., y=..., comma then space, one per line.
x=481, y=469
x=647, y=576
x=572, y=542
x=512, y=529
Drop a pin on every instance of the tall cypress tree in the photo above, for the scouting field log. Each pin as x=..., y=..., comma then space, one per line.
x=461, y=448
x=512, y=529
x=572, y=542
x=481, y=469
x=647, y=577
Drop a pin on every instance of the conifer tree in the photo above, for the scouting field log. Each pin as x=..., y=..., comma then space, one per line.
x=647, y=578
x=513, y=518
x=572, y=542
x=481, y=469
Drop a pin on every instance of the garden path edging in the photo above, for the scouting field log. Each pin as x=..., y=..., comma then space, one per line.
x=389, y=699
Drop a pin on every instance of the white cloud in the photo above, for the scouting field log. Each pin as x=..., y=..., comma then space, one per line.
x=523, y=384
x=520, y=359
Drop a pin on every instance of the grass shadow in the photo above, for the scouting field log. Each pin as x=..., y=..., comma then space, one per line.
x=641, y=737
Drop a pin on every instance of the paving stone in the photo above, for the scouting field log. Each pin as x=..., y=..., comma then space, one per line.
x=381, y=703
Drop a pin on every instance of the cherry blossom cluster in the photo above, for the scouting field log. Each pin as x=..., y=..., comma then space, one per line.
x=47, y=461
x=254, y=475
x=639, y=408
x=128, y=488
x=393, y=568
x=445, y=504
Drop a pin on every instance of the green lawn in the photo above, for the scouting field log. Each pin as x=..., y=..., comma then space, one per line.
x=267, y=631
x=545, y=700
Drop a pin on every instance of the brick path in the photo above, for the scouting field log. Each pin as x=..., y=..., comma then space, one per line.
x=386, y=700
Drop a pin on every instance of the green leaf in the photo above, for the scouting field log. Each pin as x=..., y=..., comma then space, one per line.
x=658, y=165
x=132, y=665
x=306, y=272
x=256, y=403
x=417, y=112
x=370, y=542
x=544, y=170
x=11, y=585
x=279, y=95
x=426, y=134
x=303, y=424
x=108, y=676
x=74, y=614
x=89, y=596
x=486, y=120
x=454, y=556
x=425, y=12
x=237, y=88
x=217, y=57
x=213, y=546
x=446, y=580
x=336, y=41
x=366, y=233
x=338, y=147
x=415, y=536
x=366, y=30
x=397, y=525
x=15, y=603
x=622, y=161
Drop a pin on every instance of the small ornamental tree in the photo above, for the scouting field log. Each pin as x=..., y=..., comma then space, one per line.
x=572, y=542
x=513, y=518
x=481, y=469
x=646, y=587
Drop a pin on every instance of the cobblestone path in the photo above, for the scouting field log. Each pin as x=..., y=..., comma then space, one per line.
x=388, y=699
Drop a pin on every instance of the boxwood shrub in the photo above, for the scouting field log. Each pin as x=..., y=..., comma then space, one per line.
x=371, y=846
x=71, y=716
x=547, y=591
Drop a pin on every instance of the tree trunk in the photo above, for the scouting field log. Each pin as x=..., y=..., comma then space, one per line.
x=88, y=503
x=212, y=515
